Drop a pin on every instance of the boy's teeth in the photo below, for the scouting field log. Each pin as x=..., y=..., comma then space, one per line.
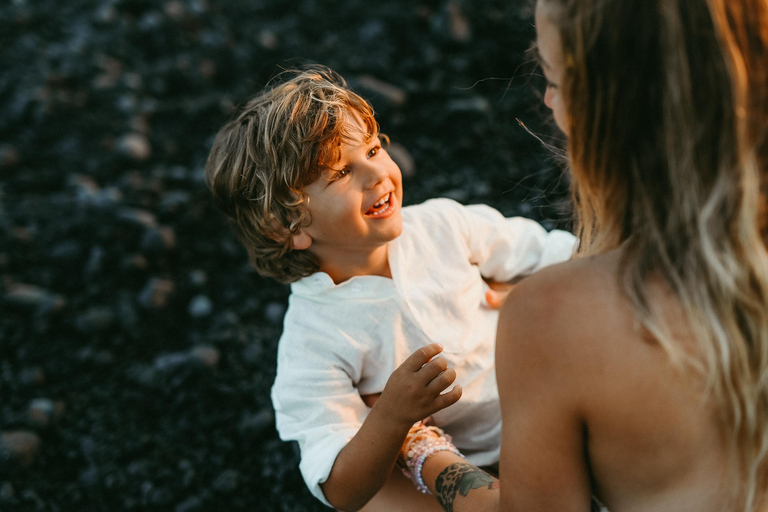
x=382, y=201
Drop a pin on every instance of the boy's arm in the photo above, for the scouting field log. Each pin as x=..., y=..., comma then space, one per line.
x=507, y=248
x=412, y=393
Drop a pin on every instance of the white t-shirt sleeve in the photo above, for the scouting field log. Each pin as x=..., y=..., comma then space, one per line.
x=317, y=405
x=504, y=248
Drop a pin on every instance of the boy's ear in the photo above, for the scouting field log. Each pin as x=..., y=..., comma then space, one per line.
x=301, y=240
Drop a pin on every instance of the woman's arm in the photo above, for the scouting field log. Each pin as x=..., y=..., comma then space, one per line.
x=541, y=379
x=458, y=485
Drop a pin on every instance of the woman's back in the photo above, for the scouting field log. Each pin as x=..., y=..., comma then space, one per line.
x=649, y=438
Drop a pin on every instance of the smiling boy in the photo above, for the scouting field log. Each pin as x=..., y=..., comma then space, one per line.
x=355, y=208
x=377, y=290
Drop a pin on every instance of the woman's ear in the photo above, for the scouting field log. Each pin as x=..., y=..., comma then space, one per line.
x=301, y=241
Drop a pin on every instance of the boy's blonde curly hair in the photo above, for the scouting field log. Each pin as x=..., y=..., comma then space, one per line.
x=278, y=143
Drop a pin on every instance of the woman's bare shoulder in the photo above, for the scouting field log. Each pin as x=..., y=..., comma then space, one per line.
x=571, y=316
x=570, y=294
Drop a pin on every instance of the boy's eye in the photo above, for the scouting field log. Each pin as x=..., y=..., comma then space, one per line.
x=373, y=151
x=343, y=173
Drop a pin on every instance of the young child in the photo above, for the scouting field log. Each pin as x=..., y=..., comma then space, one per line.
x=377, y=289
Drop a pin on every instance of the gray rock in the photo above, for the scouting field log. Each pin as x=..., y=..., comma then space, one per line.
x=274, y=312
x=198, y=278
x=191, y=504
x=140, y=218
x=255, y=424
x=471, y=104
x=95, y=319
x=156, y=292
x=395, y=95
x=135, y=145
x=44, y=411
x=33, y=296
x=207, y=355
x=200, y=306
x=21, y=445
x=227, y=481
x=7, y=491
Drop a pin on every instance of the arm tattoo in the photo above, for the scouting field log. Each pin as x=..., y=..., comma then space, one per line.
x=460, y=477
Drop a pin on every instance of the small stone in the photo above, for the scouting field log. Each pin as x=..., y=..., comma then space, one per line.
x=156, y=292
x=227, y=481
x=135, y=262
x=208, y=355
x=43, y=411
x=66, y=251
x=198, y=278
x=207, y=68
x=33, y=375
x=173, y=360
x=460, y=29
x=94, y=263
x=31, y=295
x=174, y=9
x=161, y=497
x=23, y=234
x=275, y=312
x=191, y=504
x=138, y=217
x=200, y=306
x=168, y=236
x=135, y=145
x=268, y=39
x=157, y=240
x=84, y=185
x=174, y=201
x=99, y=357
x=257, y=423
x=9, y=156
x=391, y=93
x=90, y=476
x=253, y=352
x=6, y=491
x=96, y=319
x=402, y=158
x=471, y=104
x=21, y=445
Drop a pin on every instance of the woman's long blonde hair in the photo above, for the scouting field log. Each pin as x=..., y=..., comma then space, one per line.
x=668, y=147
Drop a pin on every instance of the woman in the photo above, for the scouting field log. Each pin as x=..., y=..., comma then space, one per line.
x=638, y=373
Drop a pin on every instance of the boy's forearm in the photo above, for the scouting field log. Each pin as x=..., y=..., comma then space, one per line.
x=365, y=463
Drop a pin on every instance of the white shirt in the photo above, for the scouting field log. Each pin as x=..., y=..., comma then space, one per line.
x=341, y=341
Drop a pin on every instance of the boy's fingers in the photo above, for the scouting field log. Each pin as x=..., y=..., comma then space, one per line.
x=432, y=369
x=442, y=381
x=422, y=356
x=495, y=298
x=449, y=398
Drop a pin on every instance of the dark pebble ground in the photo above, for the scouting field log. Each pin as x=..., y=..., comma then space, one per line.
x=137, y=348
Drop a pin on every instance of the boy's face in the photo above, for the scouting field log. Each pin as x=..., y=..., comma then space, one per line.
x=356, y=208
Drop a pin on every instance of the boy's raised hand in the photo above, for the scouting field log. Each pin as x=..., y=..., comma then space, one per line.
x=413, y=391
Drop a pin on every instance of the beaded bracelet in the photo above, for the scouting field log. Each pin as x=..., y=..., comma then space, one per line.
x=428, y=449
x=421, y=442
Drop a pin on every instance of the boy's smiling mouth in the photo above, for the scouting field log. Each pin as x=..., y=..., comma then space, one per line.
x=382, y=207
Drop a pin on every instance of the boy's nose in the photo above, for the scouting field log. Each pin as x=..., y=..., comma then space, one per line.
x=375, y=174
